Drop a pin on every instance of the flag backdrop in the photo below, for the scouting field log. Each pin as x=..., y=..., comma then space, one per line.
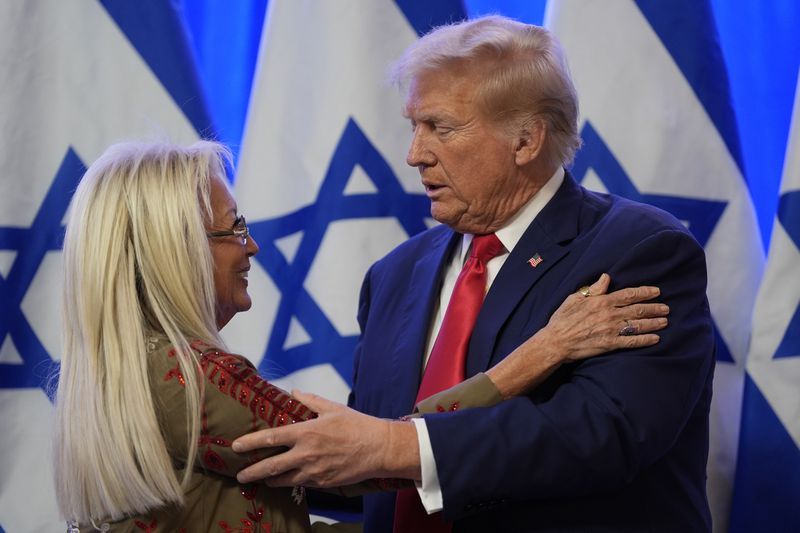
x=767, y=490
x=77, y=76
x=324, y=183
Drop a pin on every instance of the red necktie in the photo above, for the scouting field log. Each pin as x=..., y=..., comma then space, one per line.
x=446, y=366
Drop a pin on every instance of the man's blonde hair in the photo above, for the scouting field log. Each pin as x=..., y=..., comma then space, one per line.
x=136, y=264
x=523, y=76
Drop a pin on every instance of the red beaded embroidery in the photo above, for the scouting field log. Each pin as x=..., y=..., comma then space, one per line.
x=174, y=372
x=149, y=528
x=253, y=523
x=212, y=459
x=453, y=407
x=234, y=377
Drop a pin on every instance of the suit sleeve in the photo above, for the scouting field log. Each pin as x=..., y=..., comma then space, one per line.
x=608, y=419
x=363, y=313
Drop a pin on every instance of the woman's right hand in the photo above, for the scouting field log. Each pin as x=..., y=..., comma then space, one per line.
x=589, y=322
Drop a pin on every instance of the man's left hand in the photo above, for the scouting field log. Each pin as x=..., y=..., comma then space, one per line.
x=339, y=447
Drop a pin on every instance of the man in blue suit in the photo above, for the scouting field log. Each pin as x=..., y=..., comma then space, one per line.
x=614, y=443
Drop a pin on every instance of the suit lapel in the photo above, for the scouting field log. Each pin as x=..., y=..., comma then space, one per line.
x=415, y=320
x=549, y=236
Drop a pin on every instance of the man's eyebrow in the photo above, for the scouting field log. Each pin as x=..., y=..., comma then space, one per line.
x=433, y=116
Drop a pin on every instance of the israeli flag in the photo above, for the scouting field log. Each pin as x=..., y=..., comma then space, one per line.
x=77, y=76
x=768, y=475
x=323, y=181
x=658, y=128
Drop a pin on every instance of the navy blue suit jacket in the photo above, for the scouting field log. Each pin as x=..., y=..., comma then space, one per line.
x=618, y=442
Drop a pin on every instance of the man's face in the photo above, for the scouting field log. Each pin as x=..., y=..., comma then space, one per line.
x=467, y=164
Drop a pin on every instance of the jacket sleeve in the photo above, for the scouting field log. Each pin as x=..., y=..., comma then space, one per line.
x=607, y=418
x=477, y=391
x=236, y=401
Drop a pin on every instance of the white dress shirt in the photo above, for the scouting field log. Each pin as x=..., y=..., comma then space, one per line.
x=430, y=491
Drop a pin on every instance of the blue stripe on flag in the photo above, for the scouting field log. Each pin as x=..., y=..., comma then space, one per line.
x=789, y=218
x=768, y=470
x=426, y=15
x=686, y=27
x=527, y=11
x=157, y=33
x=790, y=344
x=789, y=215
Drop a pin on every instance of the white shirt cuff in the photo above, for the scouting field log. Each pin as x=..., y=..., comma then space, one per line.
x=430, y=492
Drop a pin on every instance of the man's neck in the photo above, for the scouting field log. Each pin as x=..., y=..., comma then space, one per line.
x=512, y=230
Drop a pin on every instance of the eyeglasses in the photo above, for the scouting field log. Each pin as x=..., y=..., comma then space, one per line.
x=240, y=229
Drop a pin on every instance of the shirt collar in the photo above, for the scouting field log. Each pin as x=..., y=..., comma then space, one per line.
x=512, y=232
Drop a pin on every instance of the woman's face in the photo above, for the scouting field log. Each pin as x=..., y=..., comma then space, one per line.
x=231, y=257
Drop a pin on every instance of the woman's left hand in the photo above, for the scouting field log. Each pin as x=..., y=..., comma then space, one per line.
x=589, y=322
x=592, y=321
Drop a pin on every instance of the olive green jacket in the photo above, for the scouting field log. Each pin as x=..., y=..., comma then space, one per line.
x=238, y=401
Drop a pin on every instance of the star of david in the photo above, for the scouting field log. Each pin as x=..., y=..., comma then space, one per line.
x=31, y=244
x=390, y=200
x=789, y=218
x=700, y=215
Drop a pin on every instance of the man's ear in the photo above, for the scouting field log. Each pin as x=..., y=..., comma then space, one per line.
x=530, y=142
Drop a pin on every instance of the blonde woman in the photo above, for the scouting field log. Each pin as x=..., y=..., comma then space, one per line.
x=156, y=258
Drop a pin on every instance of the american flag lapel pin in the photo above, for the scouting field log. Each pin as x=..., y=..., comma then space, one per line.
x=535, y=260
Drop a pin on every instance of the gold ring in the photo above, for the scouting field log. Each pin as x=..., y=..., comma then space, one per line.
x=586, y=291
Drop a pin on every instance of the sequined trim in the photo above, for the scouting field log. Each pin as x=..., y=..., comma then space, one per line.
x=232, y=376
x=147, y=528
x=254, y=521
x=211, y=459
x=453, y=407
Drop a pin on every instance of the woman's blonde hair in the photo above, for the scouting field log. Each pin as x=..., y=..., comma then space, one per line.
x=136, y=263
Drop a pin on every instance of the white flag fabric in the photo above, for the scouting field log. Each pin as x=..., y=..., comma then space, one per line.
x=73, y=83
x=657, y=128
x=323, y=181
x=767, y=490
